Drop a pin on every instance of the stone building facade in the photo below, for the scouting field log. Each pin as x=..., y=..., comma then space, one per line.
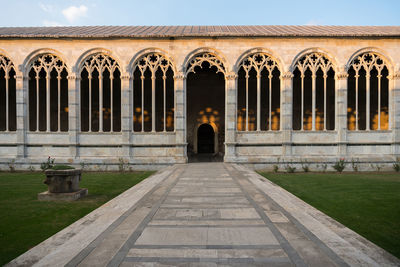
x=144, y=97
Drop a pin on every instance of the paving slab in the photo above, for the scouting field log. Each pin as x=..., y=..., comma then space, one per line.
x=206, y=214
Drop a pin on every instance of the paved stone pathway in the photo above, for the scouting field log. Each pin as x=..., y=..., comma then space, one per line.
x=216, y=214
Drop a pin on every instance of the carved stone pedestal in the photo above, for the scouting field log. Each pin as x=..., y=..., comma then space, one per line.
x=63, y=185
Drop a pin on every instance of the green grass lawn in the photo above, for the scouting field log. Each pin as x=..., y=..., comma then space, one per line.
x=368, y=203
x=25, y=221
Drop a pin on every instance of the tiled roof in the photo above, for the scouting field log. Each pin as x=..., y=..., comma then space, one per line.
x=198, y=31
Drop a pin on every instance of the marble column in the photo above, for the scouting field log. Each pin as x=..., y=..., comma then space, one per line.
x=341, y=111
x=180, y=117
x=73, y=114
x=394, y=109
x=230, y=116
x=286, y=113
x=126, y=114
x=22, y=113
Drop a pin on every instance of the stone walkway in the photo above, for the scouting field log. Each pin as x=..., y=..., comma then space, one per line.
x=206, y=214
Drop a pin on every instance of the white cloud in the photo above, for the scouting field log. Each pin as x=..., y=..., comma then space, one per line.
x=46, y=8
x=73, y=13
x=49, y=23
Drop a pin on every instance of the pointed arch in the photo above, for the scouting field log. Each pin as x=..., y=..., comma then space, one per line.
x=314, y=90
x=197, y=57
x=7, y=94
x=152, y=50
x=258, y=92
x=43, y=51
x=314, y=50
x=368, y=90
x=100, y=89
x=153, y=92
x=48, y=91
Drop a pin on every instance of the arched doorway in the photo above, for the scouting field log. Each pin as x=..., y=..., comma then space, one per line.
x=205, y=85
x=205, y=139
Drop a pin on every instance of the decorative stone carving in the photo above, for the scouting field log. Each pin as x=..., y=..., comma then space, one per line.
x=259, y=61
x=47, y=62
x=63, y=185
x=368, y=61
x=199, y=59
x=313, y=62
x=8, y=68
x=153, y=62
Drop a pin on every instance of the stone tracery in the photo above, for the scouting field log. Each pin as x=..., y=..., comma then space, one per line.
x=7, y=92
x=368, y=96
x=263, y=70
x=158, y=69
x=199, y=59
x=314, y=84
x=101, y=90
x=48, y=94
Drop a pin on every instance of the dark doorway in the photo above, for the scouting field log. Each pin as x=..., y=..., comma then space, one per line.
x=205, y=107
x=205, y=139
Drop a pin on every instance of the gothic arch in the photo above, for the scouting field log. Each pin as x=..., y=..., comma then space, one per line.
x=260, y=50
x=312, y=50
x=314, y=90
x=210, y=55
x=82, y=58
x=368, y=90
x=100, y=89
x=152, y=50
x=47, y=91
x=388, y=60
x=153, y=88
x=7, y=89
x=258, y=96
x=35, y=54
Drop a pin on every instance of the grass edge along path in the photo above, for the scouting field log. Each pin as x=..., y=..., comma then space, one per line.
x=25, y=221
x=367, y=203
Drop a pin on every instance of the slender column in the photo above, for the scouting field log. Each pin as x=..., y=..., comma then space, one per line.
x=111, y=102
x=58, y=102
x=37, y=102
x=368, y=102
x=313, y=99
x=341, y=111
x=22, y=113
x=90, y=102
x=126, y=114
x=379, y=99
x=100, y=102
x=7, y=96
x=258, y=101
x=356, y=77
x=325, y=76
x=286, y=112
x=180, y=116
x=270, y=102
x=230, y=116
x=153, y=101
x=165, y=101
x=302, y=101
x=247, y=101
x=394, y=111
x=47, y=102
x=73, y=113
x=142, y=79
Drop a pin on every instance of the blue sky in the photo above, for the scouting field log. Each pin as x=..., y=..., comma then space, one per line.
x=199, y=12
